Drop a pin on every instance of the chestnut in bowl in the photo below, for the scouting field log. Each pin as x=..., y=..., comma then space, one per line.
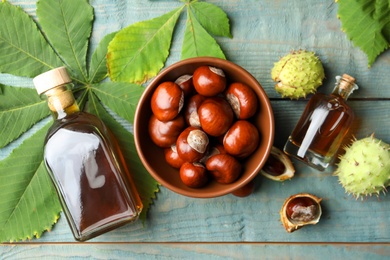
x=153, y=157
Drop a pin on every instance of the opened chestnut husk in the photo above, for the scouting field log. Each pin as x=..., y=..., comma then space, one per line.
x=278, y=166
x=300, y=210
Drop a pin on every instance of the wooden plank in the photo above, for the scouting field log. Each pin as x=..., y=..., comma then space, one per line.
x=370, y=117
x=197, y=251
x=263, y=31
x=256, y=218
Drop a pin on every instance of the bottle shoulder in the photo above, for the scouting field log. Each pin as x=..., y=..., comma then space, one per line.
x=331, y=100
x=78, y=122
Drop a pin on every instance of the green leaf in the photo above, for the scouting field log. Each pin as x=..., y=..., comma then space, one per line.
x=212, y=18
x=68, y=25
x=120, y=97
x=146, y=185
x=197, y=42
x=29, y=203
x=20, y=109
x=367, y=25
x=23, y=49
x=98, y=66
x=26, y=190
x=139, y=51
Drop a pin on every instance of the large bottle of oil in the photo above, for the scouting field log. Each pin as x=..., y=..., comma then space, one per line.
x=85, y=163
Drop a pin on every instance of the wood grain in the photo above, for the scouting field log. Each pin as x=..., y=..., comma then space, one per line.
x=199, y=251
x=249, y=228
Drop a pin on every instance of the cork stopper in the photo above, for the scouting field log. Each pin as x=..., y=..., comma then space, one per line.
x=60, y=99
x=51, y=79
x=347, y=82
x=345, y=86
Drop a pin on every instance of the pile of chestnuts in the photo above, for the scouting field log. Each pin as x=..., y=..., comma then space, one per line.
x=201, y=122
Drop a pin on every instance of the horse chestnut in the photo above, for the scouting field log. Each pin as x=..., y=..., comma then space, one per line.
x=215, y=116
x=209, y=81
x=242, y=99
x=185, y=83
x=167, y=101
x=193, y=175
x=241, y=139
x=245, y=190
x=214, y=150
x=209, y=115
x=302, y=209
x=191, y=110
x=224, y=168
x=165, y=133
x=172, y=157
x=192, y=144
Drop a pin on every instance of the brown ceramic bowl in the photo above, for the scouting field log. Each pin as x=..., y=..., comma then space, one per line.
x=153, y=157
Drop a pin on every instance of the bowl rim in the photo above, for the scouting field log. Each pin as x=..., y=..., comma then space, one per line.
x=269, y=143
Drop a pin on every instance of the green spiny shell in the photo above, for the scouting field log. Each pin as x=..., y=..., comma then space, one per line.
x=298, y=74
x=364, y=169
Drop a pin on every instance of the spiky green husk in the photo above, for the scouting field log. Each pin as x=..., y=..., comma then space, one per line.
x=364, y=169
x=298, y=74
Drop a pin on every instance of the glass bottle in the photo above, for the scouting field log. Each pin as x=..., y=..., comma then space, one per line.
x=324, y=123
x=84, y=161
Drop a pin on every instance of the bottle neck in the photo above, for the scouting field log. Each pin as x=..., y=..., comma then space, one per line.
x=345, y=86
x=61, y=102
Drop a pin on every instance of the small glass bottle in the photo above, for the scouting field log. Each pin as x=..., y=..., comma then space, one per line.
x=84, y=161
x=324, y=123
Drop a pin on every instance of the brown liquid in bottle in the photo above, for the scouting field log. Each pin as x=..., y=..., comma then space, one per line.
x=323, y=125
x=85, y=164
x=87, y=171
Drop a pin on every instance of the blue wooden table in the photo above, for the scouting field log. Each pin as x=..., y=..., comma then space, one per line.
x=249, y=228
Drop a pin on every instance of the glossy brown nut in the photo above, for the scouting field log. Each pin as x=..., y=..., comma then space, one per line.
x=167, y=101
x=214, y=150
x=191, y=110
x=215, y=116
x=242, y=99
x=274, y=166
x=172, y=157
x=193, y=175
x=224, y=168
x=209, y=81
x=219, y=149
x=245, y=190
x=185, y=83
x=300, y=210
x=278, y=166
x=192, y=144
x=298, y=205
x=241, y=139
x=165, y=133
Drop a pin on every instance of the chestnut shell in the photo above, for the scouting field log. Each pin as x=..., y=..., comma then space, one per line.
x=308, y=209
x=278, y=166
